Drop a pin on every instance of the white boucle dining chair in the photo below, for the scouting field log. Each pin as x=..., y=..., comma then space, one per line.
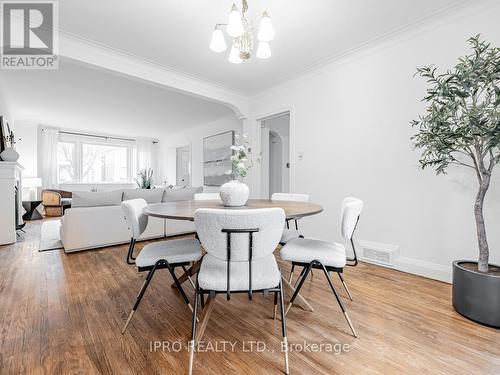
x=239, y=259
x=288, y=233
x=165, y=254
x=328, y=256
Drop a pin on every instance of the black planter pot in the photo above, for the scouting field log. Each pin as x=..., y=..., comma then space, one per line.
x=476, y=295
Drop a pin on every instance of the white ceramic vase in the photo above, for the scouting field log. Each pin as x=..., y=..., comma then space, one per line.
x=9, y=154
x=234, y=193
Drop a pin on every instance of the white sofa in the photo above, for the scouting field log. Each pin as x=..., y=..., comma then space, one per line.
x=98, y=221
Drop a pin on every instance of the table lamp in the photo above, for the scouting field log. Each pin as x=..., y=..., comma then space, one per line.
x=30, y=185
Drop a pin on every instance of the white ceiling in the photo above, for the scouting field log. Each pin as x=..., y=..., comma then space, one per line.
x=176, y=33
x=83, y=98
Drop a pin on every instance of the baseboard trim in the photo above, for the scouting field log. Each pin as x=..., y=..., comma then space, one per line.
x=423, y=268
x=405, y=264
x=418, y=267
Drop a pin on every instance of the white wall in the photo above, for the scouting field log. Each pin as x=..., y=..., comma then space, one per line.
x=27, y=146
x=5, y=107
x=351, y=122
x=194, y=137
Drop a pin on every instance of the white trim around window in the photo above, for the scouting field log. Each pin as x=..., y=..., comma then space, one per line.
x=117, y=163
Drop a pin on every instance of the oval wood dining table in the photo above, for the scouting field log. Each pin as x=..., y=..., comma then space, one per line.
x=184, y=210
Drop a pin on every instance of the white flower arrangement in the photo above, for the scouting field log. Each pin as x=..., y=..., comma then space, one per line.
x=241, y=158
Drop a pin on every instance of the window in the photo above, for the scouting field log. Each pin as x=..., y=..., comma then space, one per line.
x=84, y=159
x=66, y=162
x=104, y=163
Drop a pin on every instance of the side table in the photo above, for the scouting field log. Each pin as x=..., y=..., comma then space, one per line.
x=31, y=211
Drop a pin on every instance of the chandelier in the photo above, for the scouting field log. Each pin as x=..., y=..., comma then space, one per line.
x=241, y=31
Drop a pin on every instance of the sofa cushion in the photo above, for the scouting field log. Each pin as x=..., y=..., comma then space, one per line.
x=92, y=227
x=96, y=199
x=186, y=194
x=149, y=195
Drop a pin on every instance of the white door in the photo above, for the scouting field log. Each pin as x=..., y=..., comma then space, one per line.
x=265, y=163
x=184, y=166
x=275, y=164
x=275, y=143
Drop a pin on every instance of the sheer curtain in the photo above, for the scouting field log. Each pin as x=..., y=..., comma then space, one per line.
x=147, y=157
x=48, y=165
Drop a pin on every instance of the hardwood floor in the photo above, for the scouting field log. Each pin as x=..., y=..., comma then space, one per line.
x=62, y=314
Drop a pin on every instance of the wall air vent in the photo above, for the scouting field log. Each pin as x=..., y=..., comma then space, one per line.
x=378, y=253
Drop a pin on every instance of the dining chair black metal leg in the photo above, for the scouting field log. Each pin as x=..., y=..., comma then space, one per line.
x=188, y=276
x=304, y=277
x=345, y=285
x=301, y=236
x=291, y=274
x=275, y=305
x=339, y=300
x=130, y=252
x=192, y=343
x=300, y=275
x=179, y=287
x=139, y=296
x=283, y=328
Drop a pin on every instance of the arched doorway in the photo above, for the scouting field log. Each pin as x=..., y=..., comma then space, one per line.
x=275, y=143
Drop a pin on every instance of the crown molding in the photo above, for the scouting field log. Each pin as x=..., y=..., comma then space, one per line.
x=76, y=48
x=463, y=8
x=82, y=50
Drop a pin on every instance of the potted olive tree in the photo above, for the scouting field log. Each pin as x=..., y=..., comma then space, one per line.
x=462, y=127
